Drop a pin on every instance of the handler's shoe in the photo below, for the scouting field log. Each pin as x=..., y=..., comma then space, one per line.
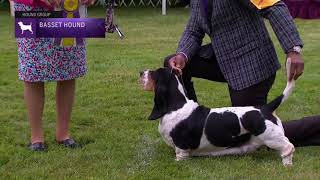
x=38, y=146
x=69, y=143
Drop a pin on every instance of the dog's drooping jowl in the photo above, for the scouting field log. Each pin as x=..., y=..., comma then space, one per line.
x=195, y=130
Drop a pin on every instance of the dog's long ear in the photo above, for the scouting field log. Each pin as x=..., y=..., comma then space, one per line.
x=161, y=94
x=160, y=103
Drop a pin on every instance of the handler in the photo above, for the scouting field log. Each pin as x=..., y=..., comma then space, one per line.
x=242, y=54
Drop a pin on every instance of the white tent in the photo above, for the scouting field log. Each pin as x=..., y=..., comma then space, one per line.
x=164, y=7
x=12, y=8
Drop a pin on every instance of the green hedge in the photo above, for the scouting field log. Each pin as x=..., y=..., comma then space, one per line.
x=4, y=2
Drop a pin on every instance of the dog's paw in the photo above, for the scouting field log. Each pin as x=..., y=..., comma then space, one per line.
x=178, y=159
x=181, y=158
x=287, y=160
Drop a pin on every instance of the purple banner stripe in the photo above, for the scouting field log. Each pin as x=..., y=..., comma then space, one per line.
x=60, y=27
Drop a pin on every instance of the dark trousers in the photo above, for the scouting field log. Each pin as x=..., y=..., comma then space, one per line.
x=303, y=132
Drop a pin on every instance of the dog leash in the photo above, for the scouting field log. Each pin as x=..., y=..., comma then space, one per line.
x=182, y=82
x=110, y=26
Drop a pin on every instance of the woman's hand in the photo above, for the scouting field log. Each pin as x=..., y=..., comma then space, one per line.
x=87, y=2
x=51, y=3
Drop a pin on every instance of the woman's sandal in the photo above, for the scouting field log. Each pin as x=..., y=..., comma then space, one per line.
x=38, y=146
x=69, y=143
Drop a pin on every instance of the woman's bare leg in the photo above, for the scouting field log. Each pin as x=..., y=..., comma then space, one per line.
x=64, y=101
x=34, y=96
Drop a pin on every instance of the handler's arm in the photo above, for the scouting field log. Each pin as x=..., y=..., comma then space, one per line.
x=283, y=25
x=191, y=39
x=280, y=19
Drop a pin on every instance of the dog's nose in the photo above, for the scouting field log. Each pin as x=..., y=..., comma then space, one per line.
x=141, y=73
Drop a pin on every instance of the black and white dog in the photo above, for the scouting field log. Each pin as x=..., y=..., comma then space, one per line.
x=194, y=130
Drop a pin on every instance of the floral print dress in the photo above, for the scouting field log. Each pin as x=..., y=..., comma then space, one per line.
x=39, y=60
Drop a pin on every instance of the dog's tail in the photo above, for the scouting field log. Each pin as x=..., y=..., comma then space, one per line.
x=273, y=105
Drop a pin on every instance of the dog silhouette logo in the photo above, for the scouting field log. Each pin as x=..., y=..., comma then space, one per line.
x=25, y=27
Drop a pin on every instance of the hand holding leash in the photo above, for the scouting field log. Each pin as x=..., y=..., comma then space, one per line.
x=297, y=65
x=52, y=3
x=177, y=63
x=87, y=2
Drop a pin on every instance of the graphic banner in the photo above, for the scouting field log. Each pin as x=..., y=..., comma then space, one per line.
x=60, y=27
x=38, y=14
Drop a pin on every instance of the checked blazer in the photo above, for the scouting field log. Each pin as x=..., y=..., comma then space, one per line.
x=240, y=40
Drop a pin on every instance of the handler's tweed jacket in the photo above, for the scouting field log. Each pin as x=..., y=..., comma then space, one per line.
x=240, y=40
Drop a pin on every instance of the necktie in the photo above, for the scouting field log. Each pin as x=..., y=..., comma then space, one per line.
x=209, y=14
x=206, y=10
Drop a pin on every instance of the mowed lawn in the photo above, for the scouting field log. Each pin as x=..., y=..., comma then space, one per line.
x=110, y=111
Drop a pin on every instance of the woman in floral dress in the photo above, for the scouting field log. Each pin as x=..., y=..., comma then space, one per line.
x=40, y=61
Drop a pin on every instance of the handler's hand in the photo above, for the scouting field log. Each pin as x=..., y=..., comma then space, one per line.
x=297, y=65
x=88, y=2
x=178, y=62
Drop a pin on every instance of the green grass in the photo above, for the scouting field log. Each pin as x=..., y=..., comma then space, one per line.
x=110, y=112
